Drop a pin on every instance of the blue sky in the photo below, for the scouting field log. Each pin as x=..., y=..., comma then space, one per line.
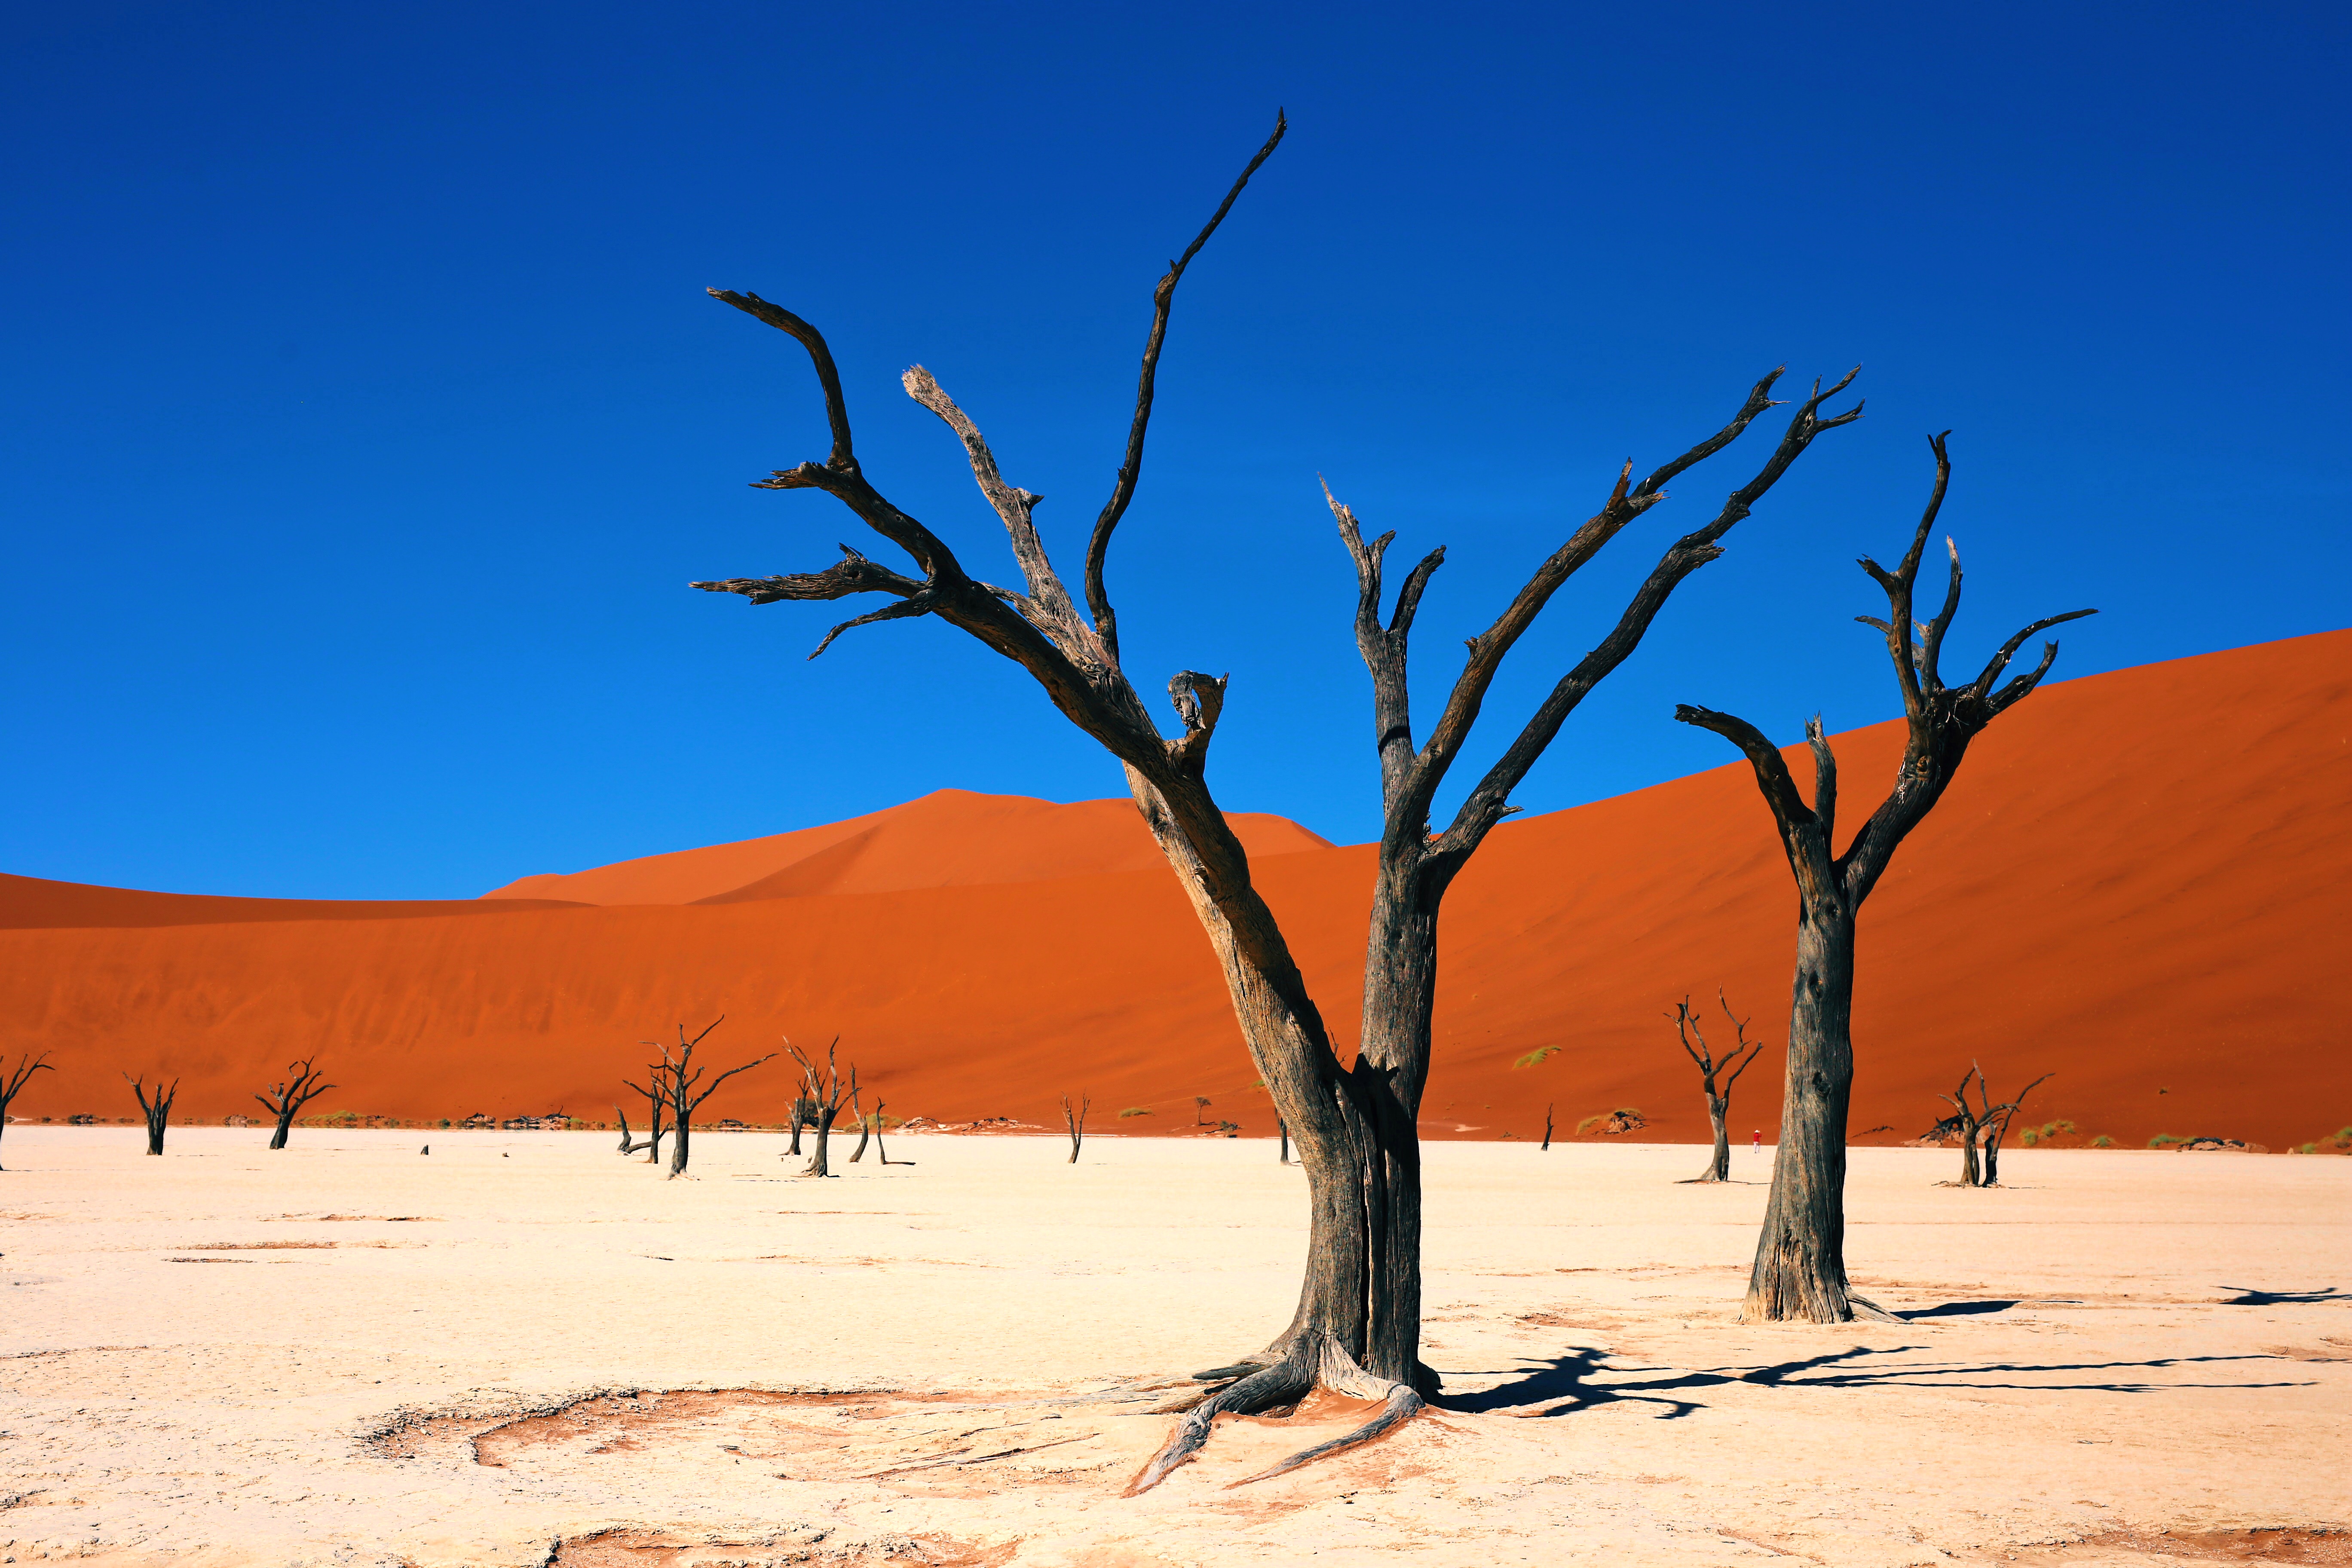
x=367, y=416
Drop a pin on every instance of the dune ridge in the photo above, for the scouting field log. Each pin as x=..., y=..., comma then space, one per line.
x=2141, y=880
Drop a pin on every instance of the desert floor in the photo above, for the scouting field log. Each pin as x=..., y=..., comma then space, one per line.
x=348, y=1352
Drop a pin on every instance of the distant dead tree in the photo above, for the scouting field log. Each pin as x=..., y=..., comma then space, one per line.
x=1200, y=1103
x=1718, y=1099
x=657, y=1092
x=678, y=1076
x=157, y=1112
x=1076, y=1122
x=1282, y=1132
x=1995, y=1122
x=1963, y=1123
x=12, y=1080
x=284, y=1101
x=869, y=1126
x=1800, y=1267
x=826, y=1091
x=1546, y=1143
x=1357, y=1328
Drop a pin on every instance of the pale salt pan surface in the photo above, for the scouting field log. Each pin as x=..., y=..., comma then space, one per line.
x=202, y=1369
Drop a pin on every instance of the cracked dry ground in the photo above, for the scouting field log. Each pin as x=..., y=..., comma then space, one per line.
x=523, y=1349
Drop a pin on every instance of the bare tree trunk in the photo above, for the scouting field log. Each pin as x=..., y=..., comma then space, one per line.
x=1800, y=1268
x=865, y=1133
x=1547, y=1139
x=1719, y=1168
x=623, y=1118
x=1074, y=1122
x=1282, y=1129
x=1996, y=1123
x=816, y=1165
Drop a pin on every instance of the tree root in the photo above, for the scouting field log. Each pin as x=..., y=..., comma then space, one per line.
x=1270, y=1382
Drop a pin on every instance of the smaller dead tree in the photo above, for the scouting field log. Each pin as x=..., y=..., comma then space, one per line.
x=157, y=1112
x=1282, y=1129
x=657, y=1101
x=869, y=1125
x=1546, y=1143
x=1718, y=1097
x=678, y=1078
x=285, y=1100
x=827, y=1093
x=623, y=1118
x=13, y=1079
x=1201, y=1102
x=1964, y=1123
x=1996, y=1124
x=1076, y=1122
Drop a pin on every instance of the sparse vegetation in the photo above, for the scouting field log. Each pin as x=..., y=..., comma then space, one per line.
x=1540, y=1055
x=1610, y=1123
x=1134, y=1111
x=2103, y=1141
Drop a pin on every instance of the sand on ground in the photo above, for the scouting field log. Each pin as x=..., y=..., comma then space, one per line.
x=353, y=1352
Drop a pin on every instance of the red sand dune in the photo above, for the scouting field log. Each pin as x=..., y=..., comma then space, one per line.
x=948, y=839
x=2142, y=880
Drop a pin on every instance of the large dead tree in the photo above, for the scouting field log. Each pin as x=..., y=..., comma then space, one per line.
x=286, y=1100
x=827, y=1091
x=1800, y=1267
x=1718, y=1097
x=156, y=1112
x=678, y=1076
x=1357, y=1328
x=13, y=1080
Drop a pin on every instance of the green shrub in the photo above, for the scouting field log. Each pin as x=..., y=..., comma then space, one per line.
x=1534, y=1057
x=1133, y=1110
x=2165, y=1140
x=2103, y=1141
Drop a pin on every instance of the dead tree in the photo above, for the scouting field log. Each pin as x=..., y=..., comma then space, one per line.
x=1800, y=1268
x=13, y=1080
x=285, y=1100
x=157, y=1112
x=1357, y=1328
x=678, y=1076
x=804, y=1115
x=869, y=1125
x=1965, y=1121
x=623, y=1118
x=1282, y=1132
x=1996, y=1124
x=657, y=1092
x=825, y=1090
x=1718, y=1099
x=1076, y=1122
x=1547, y=1141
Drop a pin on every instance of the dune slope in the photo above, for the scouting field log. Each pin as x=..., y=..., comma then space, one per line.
x=2139, y=882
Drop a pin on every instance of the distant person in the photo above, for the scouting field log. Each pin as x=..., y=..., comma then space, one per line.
x=1758, y=1144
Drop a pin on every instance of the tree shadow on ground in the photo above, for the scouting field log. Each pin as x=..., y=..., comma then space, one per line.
x=1957, y=1309
x=2249, y=1297
x=1566, y=1384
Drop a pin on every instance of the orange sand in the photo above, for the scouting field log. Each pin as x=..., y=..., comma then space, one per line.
x=2140, y=880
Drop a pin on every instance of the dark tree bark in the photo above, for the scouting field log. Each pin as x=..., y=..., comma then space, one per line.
x=804, y=1115
x=1282, y=1130
x=825, y=1090
x=864, y=1127
x=286, y=1100
x=1996, y=1123
x=1718, y=1099
x=13, y=1079
x=1075, y=1122
x=1800, y=1268
x=157, y=1112
x=678, y=1077
x=622, y=1116
x=1357, y=1328
x=1547, y=1139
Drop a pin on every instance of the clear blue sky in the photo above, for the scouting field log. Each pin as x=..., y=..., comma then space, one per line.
x=366, y=418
